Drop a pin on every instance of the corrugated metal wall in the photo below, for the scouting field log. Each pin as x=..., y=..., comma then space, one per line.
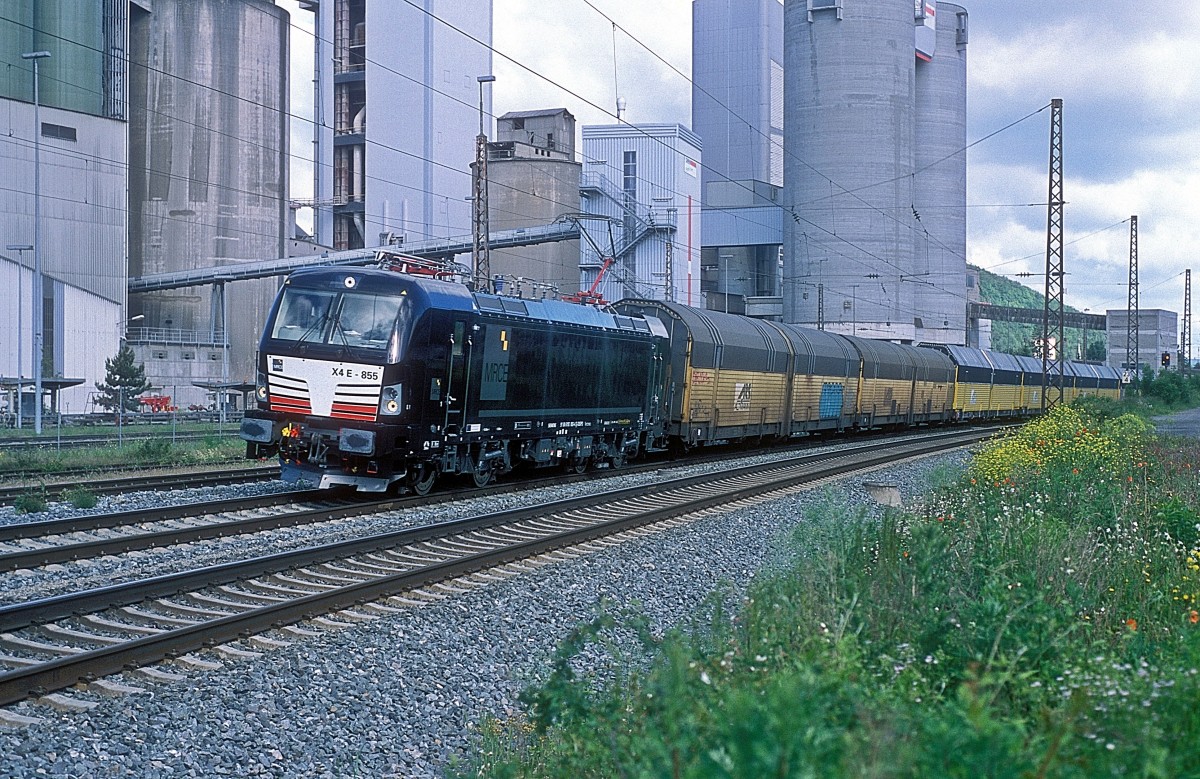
x=737, y=67
x=668, y=160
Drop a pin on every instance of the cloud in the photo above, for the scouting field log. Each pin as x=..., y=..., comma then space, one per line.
x=1130, y=84
x=576, y=51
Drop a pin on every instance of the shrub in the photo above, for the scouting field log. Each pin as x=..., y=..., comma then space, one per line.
x=80, y=497
x=1042, y=621
x=30, y=502
x=154, y=450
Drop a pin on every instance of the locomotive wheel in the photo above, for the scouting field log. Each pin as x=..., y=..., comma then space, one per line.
x=421, y=481
x=579, y=464
x=617, y=461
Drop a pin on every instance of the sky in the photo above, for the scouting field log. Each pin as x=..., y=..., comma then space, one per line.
x=1128, y=75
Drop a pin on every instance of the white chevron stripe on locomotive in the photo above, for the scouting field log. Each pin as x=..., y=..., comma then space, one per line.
x=348, y=390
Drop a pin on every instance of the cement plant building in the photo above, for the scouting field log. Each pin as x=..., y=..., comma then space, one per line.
x=74, y=219
x=835, y=130
x=395, y=125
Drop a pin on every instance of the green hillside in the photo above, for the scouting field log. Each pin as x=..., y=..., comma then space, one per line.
x=1015, y=338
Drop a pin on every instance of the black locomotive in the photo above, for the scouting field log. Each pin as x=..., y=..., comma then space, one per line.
x=370, y=377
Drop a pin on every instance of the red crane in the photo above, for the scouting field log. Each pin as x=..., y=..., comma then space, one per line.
x=591, y=297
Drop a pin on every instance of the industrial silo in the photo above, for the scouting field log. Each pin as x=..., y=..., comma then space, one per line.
x=848, y=108
x=940, y=183
x=208, y=179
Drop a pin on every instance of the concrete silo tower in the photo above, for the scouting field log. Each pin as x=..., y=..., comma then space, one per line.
x=849, y=102
x=208, y=147
x=940, y=183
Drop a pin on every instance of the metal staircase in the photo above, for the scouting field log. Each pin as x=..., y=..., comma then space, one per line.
x=638, y=223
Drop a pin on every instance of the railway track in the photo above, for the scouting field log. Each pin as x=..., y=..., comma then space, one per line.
x=52, y=643
x=31, y=544
x=159, y=481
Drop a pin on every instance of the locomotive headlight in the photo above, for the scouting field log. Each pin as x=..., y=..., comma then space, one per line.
x=260, y=391
x=389, y=399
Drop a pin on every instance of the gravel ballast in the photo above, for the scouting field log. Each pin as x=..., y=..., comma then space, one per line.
x=402, y=695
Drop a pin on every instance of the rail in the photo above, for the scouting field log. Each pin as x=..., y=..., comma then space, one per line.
x=413, y=562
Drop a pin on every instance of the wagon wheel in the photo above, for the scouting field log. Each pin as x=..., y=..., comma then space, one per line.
x=421, y=478
x=579, y=464
x=617, y=460
x=482, y=473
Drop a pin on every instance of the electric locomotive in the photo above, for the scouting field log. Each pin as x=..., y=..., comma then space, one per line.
x=376, y=379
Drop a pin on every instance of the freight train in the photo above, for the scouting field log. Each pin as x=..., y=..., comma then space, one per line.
x=384, y=380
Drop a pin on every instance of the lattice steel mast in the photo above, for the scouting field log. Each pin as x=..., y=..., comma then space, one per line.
x=1185, y=348
x=1131, y=330
x=481, y=249
x=1052, y=313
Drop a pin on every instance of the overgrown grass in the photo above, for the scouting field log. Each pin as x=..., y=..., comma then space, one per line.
x=134, y=454
x=1036, y=618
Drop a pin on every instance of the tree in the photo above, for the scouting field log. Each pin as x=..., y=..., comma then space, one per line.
x=125, y=380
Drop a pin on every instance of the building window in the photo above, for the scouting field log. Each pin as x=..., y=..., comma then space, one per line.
x=629, y=174
x=158, y=355
x=550, y=141
x=188, y=355
x=824, y=5
x=59, y=131
x=518, y=124
x=213, y=356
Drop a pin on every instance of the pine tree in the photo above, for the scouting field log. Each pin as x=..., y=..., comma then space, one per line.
x=125, y=380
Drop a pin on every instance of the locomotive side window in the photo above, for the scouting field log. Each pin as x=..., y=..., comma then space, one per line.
x=460, y=335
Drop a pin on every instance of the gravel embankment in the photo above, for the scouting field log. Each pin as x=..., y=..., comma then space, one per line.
x=1182, y=423
x=399, y=696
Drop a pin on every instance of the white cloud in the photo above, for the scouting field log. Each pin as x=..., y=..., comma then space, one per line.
x=1085, y=58
x=574, y=47
x=1130, y=82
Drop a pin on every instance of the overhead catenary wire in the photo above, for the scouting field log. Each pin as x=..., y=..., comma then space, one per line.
x=615, y=27
x=795, y=216
x=397, y=73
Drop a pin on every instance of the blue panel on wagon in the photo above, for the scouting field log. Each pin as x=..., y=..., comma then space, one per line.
x=831, y=400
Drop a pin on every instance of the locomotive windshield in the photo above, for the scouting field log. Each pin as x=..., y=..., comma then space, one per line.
x=353, y=319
